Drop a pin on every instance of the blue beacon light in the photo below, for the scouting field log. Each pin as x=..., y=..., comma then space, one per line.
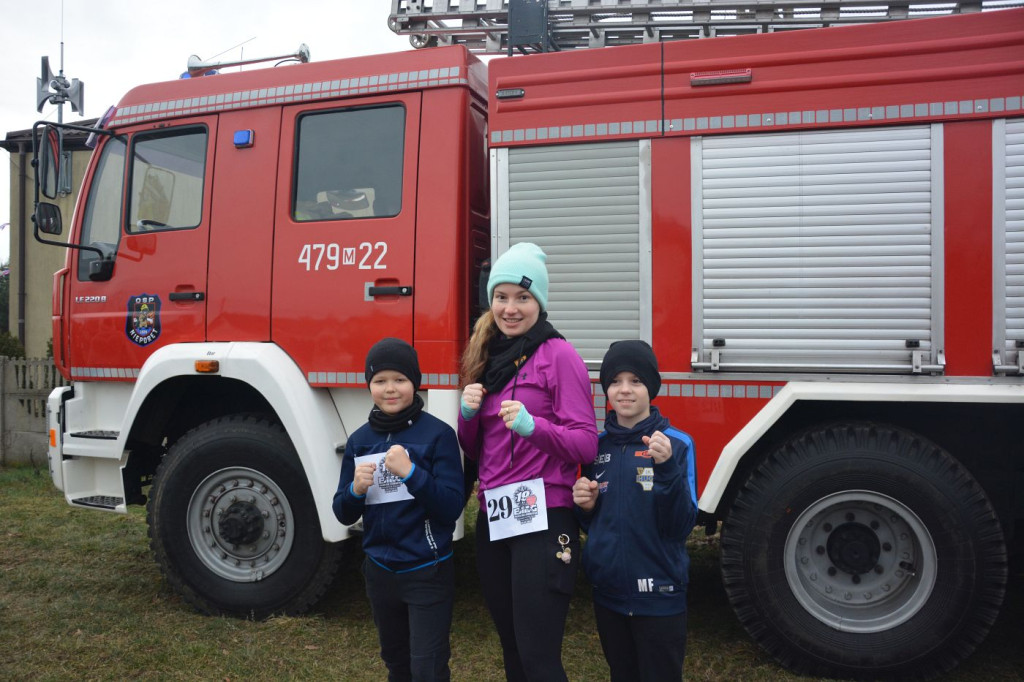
x=244, y=138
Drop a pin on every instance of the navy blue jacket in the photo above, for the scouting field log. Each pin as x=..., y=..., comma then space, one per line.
x=635, y=553
x=410, y=534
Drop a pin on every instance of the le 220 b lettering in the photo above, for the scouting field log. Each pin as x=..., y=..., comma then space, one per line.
x=368, y=255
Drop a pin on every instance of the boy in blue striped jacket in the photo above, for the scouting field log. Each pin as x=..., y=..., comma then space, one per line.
x=637, y=502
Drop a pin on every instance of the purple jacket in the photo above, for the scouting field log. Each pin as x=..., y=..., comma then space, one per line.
x=555, y=388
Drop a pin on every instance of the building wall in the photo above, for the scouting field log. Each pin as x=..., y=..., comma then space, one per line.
x=41, y=261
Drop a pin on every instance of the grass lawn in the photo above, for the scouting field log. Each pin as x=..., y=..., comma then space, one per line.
x=81, y=598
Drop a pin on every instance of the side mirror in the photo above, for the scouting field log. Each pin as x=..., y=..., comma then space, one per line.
x=101, y=270
x=47, y=218
x=51, y=149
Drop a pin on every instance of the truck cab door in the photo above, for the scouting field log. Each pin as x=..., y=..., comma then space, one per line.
x=147, y=209
x=344, y=239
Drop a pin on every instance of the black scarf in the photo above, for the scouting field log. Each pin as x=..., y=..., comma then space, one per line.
x=620, y=435
x=393, y=423
x=506, y=354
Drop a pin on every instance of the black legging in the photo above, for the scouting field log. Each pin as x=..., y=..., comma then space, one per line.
x=642, y=648
x=528, y=589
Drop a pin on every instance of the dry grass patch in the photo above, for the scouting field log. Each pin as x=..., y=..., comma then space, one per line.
x=81, y=598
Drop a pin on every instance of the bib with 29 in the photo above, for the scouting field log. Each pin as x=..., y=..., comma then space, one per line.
x=516, y=509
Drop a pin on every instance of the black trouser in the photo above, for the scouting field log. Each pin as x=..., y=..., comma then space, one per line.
x=527, y=589
x=642, y=648
x=413, y=614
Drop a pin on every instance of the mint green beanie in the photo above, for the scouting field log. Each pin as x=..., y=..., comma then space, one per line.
x=522, y=265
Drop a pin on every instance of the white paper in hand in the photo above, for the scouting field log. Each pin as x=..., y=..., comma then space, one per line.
x=386, y=486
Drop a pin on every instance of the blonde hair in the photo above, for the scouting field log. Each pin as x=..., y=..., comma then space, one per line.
x=474, y=359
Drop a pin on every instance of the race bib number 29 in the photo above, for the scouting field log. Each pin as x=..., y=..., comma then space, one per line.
x=516, y=509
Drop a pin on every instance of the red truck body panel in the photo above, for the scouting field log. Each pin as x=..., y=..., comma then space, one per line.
x=963, y=71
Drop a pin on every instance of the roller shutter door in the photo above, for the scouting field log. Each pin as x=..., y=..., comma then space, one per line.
x=588, y=207
x=1008, y=210
x=818, y=251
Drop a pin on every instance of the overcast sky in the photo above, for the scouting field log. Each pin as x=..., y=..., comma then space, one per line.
x=114, y=45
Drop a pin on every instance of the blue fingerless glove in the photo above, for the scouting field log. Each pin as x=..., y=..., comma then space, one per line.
x=467, y=411
x=523, y=424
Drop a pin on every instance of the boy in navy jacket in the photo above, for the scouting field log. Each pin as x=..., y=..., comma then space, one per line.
x=402, y=473
x=637, y=502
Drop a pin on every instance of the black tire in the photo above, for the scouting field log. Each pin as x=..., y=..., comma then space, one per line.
x=265, y=554
x=864, y=551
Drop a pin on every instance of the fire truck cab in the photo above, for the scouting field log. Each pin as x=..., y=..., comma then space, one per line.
x=241, y=242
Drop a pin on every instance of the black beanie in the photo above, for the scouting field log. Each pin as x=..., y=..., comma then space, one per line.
x=631, y=356
x=392, y=353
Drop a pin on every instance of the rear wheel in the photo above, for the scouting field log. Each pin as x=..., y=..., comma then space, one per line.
x=859, y=550
x=233, y=525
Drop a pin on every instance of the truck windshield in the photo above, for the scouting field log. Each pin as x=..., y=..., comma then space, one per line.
x=102, y=219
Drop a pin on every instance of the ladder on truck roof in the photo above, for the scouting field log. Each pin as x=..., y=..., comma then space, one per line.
x=483, y=25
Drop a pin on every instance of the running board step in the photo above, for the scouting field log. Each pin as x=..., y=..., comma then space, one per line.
x=100, y=435
x=99, y=501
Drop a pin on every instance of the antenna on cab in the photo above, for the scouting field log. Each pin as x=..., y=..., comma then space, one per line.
x=197, y=67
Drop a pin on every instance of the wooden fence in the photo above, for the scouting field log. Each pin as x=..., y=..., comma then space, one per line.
x=24, y=387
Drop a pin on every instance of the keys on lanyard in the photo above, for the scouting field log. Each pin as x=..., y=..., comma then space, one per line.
x=565, y=553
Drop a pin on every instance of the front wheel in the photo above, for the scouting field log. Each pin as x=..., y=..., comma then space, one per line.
x=860, y=550
x=233, y=525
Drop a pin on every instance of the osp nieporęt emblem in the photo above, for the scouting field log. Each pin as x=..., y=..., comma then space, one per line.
x=142, y=325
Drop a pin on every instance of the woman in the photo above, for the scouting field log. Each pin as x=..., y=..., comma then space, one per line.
x=528, y=419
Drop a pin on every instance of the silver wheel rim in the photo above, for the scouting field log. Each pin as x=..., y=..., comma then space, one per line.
x=860, y=561
x=235, y=497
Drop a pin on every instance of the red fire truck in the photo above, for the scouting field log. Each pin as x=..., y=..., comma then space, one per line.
x=820, y=231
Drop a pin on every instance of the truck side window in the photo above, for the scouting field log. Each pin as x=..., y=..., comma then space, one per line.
x=349, y=164
x=167, y=176
x=101, y=223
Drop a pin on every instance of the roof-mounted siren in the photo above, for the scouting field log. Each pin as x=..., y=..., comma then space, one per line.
x=197, y=67
x=58, y=90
